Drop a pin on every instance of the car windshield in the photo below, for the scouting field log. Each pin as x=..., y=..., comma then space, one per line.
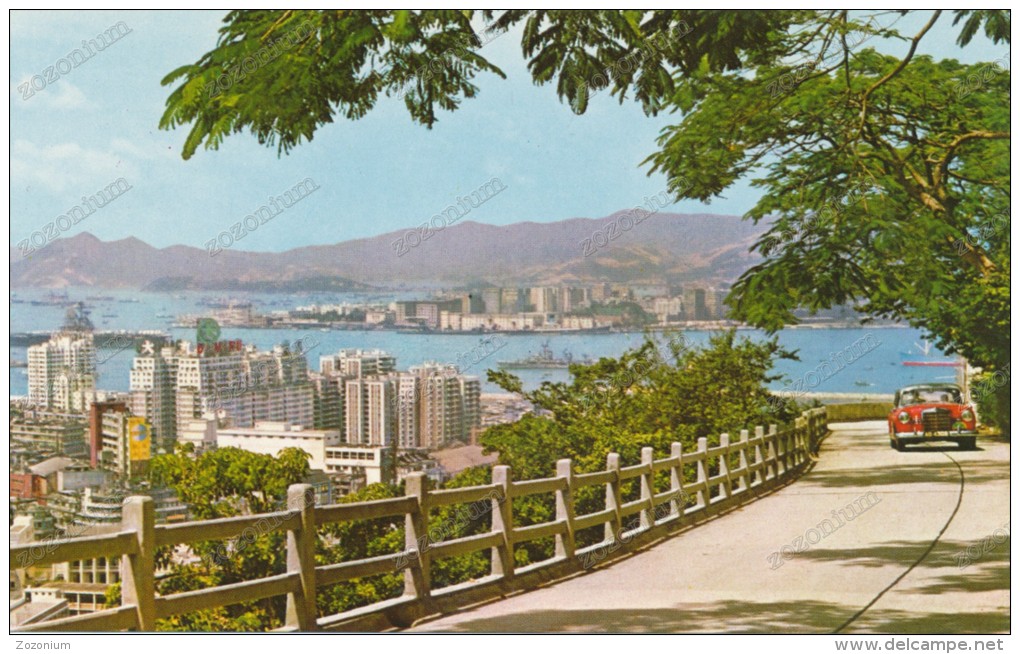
x=929, y=396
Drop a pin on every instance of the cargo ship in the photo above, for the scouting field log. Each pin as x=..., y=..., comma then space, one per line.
x=545, y=359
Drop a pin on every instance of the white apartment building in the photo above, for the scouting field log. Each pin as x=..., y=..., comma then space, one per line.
x=490, y=321
x=60, y=369
x=668, y=308
x=370, y=462
x=271, y=437
x=201, y=433
x=408, y=412
x=370, y=410
x=357, y=363
x=226, y=381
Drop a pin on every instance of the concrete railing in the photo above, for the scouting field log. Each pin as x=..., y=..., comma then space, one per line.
x=729, y=474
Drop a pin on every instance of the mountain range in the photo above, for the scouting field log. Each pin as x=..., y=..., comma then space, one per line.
x=663, y=248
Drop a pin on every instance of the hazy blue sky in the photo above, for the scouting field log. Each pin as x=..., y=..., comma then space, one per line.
x=99, y=122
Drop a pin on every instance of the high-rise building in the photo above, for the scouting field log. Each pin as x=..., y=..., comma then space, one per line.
x=370, y=411
x=333, y=406
x=573, y=298
x=227, y=381
x=668, y=308
x=357, y=363
x=153, y=392
x=408, y=403
x=373, y=404
x=60, y=369
x=694, y=304
x=449, y=404
x=715, y=303
x=471, y=394
x=492, y=299
x=544, y=299
x=510, y=301
x=327, y=401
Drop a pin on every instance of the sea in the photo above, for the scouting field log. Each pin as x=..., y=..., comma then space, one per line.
x=877, y=367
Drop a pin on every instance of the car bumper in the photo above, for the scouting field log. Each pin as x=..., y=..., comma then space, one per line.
x=909, y=437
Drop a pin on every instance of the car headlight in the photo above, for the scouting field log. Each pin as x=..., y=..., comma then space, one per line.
x=904, y=417
x=966, y=415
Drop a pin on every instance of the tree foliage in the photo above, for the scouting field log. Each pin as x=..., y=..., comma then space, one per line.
x=229, y=481
x=217, y=484
x=647, y=397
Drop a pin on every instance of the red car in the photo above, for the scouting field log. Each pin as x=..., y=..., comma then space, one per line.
x=931, y=412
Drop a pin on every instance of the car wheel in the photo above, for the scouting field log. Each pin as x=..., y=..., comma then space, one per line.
x=899, y=446
x=968, y=443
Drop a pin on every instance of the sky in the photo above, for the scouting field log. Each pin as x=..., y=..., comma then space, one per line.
x=99, y=123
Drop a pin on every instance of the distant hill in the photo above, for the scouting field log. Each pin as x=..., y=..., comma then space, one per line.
x=674, y=248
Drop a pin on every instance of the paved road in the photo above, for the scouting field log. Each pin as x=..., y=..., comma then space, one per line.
x=877, y=544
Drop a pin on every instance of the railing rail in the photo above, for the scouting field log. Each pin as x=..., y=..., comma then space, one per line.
x=724, y=475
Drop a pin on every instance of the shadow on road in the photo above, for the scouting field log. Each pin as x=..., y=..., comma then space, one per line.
x=736, y=617
x=976, y=472
x=947, y=554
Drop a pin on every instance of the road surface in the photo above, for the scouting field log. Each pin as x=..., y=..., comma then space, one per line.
x=876, y=541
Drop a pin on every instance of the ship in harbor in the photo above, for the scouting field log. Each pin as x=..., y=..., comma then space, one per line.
x=77, y=319
x=545, y=359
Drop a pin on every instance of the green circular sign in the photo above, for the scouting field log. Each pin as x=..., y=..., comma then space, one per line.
x=208, y=331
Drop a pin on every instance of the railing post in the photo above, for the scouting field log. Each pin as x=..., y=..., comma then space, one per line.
x=761, y=471
x=417, y=578
x=138, y=585
x=821, y=425
x=799, y=430
x=773, y=435
x=676, y=480
x=744, y=479
x=726, y=487
x=301, y=610
x=503, y=522
x=614, y=499
x=647, y=488
x=702, y=471
x=565, y=543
